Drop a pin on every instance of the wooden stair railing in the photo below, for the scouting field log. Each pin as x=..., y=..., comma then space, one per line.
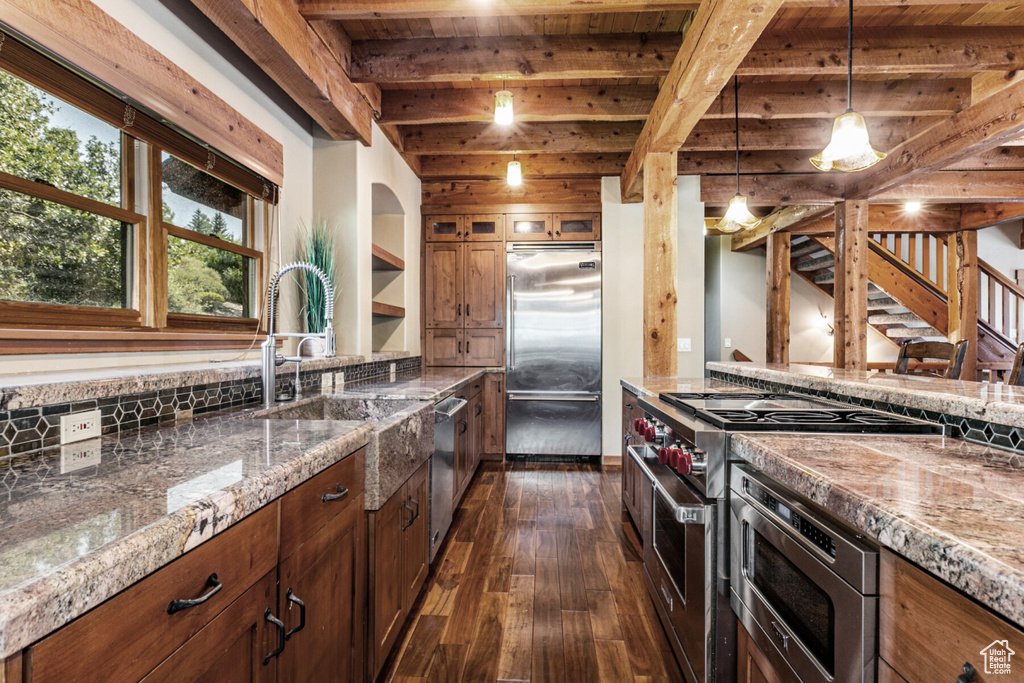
x=1001, y=303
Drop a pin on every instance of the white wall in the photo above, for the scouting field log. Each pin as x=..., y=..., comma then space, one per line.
x=343, y=178
x=999, y=246
x=690, y=276
x=155, y=24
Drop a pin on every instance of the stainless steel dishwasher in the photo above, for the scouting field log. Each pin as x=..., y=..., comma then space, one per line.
x=442, y=470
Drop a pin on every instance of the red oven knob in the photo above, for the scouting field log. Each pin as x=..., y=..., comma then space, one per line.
x=639, y=425
x=649, y=433
x=663, y=455
x=673, y=456
x=684, y=464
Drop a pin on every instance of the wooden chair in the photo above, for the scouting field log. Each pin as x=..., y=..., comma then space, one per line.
x=952, y=354
x=1016, y=377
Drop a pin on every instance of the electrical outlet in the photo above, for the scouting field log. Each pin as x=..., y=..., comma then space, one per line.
x=392, y=371
x=339, y=381
x=81, y=455
x=326, y=383
x=728, y=343
x=183, y=417
x=684, y=345
x=80, y=426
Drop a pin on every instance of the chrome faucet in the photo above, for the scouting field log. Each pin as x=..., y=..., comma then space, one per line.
x=269, y=356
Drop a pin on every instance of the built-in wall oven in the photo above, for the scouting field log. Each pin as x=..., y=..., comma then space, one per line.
x=804, y=587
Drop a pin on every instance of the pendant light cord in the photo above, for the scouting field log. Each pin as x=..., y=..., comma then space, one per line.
x=736, y=108
x=849, y=59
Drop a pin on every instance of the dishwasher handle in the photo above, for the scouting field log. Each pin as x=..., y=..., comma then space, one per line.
x=449, y=407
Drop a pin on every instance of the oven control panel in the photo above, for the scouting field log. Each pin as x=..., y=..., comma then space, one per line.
x=792, y=518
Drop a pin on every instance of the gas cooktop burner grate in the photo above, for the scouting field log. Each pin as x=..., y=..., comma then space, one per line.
x=874, y=418
x=801, y=417
x=720, y=395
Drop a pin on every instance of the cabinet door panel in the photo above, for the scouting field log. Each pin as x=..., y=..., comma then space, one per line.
x=484, y=284
x=443, y=301
x=494, y=415
x=232, y=647
x=444, y=348
x=525, y=227
x=577, y=226
x=444, y=228
x=462, y=453
x=327, y=573
x=416, y=540
x=386, y=580
x=488, y=227
x=304, y=511
x=484, y=348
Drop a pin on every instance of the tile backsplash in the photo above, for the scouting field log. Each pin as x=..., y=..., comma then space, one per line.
x=27, y=429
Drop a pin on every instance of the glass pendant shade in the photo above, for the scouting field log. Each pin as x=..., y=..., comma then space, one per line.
x=849, y=150
x=503, y=107
x=515, y=173
x=737, y=217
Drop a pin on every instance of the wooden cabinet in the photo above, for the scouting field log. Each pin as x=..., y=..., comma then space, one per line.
x=752, y=666
x=483, y=348
x=444, y=282
x=469, y=437
x=633, y=479
x=528, y=227
x=444, y=228
x=583, y=227
x=399, y=560
x=927, y=630
x=494, y=415
x=488, y=227
x=483, y=285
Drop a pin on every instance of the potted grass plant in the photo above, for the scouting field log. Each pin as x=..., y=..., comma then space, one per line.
x=316, y=246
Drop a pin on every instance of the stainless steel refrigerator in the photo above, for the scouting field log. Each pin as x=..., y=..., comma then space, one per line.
x=553, y=350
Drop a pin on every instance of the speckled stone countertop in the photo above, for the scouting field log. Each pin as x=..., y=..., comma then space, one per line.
x=428, y=384
x=652, y=386
x=952, y=507
x=976, y=400
x=73, y=534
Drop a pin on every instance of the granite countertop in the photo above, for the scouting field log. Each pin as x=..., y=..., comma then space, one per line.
x=952, y=507
x=428, y=384
x=652, y=386
x=77, y=530
x=974, y=400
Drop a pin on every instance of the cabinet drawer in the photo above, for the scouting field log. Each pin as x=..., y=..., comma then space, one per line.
x=129, y=635
x=927, y=630
x=304, y=510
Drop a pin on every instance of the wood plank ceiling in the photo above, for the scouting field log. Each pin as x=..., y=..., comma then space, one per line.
x=586, y=75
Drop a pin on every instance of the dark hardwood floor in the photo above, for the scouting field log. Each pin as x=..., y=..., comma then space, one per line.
x=540, y=580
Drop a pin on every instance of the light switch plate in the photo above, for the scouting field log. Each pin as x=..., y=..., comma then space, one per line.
x=339, y=381
x=326, y=383
x=80, y=426
x=684, y=345
x=728, y=343
x=80, y=455
x=392, y=371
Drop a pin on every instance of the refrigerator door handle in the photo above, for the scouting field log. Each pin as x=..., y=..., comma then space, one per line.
x=510, y=361
x=573, y=397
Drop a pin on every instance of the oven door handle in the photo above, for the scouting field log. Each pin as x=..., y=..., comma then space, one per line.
x=684, y=514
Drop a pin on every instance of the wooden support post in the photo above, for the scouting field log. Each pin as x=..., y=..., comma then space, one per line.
x=661, y=217
x=778, y=297
x=963, y=283
x=850, y=349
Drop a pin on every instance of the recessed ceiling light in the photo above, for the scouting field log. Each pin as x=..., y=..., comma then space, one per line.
x=912, y=207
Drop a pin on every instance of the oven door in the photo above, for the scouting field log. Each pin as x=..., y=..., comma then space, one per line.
x=679, y=560
x=794, y=606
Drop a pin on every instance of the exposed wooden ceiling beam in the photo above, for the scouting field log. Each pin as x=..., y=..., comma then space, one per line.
x=484, y=166
x=493, y=192
x=774, y=190
x=427, y=9
x=282, y=43
x=827, y=99
x=555, y=138
x=982, y=126
x=568, y=103
x=984, y=215
x=719, y=36
x=495, y=58
x=784, y=134
x=776, y=221
x=901, y=50
x=965, y=187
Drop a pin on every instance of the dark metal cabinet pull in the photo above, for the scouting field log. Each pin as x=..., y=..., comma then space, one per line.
x=458, y=310
x=479, y=409
x=968, y=675
x=178, y=605
x=557, y=233
x=464, y=425
x=467, y=347
x=280, y=636
x=342, y=492
x=467, y=310
x=460, y=347
x=412, y=517
x=417, y=504
x=290, y=596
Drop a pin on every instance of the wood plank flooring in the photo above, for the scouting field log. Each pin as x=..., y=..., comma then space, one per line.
x=540, y=580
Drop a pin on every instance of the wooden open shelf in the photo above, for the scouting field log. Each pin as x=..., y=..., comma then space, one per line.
x=387, y=310
x=383, y=259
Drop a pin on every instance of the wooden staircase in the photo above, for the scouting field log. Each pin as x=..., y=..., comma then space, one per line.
x=907, y=291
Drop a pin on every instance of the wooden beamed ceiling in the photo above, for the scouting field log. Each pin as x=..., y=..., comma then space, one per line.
x=597, y=84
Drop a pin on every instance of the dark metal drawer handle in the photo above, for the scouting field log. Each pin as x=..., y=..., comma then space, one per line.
x=280, y=636
x=412, y=517
x=783, y=637
x=417, y=504
x=479, y=409
x=290, y=596
x=464, y=425
x=342, y=492
x=178, y=605
x=968, y=675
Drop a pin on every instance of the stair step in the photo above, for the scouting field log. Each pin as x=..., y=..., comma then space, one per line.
x=894, y=318
x=883, y=302
x=805, y=249
x=825, y=279
x=908, y=332
x=818, y=263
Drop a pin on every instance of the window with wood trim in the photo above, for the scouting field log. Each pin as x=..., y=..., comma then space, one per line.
x=111, y=219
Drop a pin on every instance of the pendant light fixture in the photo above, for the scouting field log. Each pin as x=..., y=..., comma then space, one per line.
x=737, y=217
x=514, y=174
x=849, y=150
x=503, y=106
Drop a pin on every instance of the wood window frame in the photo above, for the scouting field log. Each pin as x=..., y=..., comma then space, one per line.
x=61, y=328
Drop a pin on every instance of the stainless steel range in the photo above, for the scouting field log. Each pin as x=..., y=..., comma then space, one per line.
x=681, y=445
